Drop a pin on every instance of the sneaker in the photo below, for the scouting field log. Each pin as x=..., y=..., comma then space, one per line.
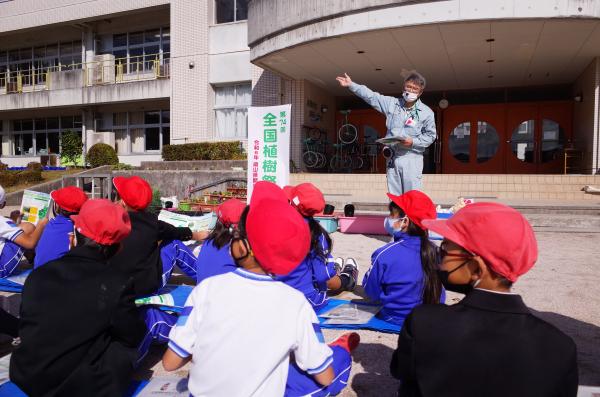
x=338, y=265
x=350, y=270
x=348, y=341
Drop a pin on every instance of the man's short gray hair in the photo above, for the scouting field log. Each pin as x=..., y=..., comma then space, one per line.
x=417, y=78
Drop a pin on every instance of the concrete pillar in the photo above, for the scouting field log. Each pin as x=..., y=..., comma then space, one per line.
x=189, y=72
x=87, y=128
x=89, y=45
x=6, y=139
x=293, y=92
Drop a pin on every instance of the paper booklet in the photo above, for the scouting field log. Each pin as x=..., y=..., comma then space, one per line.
x=196, y=223
x=166, y=386
x=391, y=140
x=34, y=206
x=350, y=313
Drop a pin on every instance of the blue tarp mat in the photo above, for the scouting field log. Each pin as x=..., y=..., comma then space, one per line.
x=374, y=324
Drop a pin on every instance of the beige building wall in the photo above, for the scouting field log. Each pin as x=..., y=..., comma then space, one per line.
x=586, y=117
x=189, y=71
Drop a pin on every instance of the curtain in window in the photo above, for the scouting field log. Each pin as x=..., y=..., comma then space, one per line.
x=225, y=120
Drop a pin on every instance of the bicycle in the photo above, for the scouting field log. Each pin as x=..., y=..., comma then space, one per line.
x=314, y=153
x=347, y=151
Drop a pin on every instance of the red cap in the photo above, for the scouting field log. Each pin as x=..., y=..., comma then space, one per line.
x=278, y=235
x=308, y=199
x=134, y=191
x=69, y=198
x=266, y=189
x=230, y=212
x=288, y=191
x=416, y=205
x=103, y=221
x=495, y=232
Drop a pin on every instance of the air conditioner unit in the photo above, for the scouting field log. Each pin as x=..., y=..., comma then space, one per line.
x=102, y=69
x=107, y=137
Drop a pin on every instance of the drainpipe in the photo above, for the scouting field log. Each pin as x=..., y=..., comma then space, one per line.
x=596, y=129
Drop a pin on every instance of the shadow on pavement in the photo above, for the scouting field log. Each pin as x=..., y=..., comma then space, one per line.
x=376, y=379
x=587, y=339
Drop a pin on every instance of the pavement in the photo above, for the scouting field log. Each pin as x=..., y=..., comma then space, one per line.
x=562, y=288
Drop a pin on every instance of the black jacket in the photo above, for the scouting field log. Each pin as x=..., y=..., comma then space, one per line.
x=79, y=329
x=140, y=256
x=489, y=345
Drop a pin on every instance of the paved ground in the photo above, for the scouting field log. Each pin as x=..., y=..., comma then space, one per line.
x=563, y=288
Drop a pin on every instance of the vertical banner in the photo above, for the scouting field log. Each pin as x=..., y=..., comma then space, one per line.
x=269, y=145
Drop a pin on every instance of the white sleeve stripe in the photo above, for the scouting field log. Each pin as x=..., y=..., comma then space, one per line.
x=321, y=367
x=181, y=352
x=17, y=234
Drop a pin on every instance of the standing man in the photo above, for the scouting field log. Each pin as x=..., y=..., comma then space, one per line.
x=408, y=119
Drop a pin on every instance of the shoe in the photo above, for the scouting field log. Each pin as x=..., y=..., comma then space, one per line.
x=348, y=341
x=350, y=271
x=338, y=265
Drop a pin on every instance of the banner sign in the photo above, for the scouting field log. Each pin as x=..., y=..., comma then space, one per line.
x=269, y=145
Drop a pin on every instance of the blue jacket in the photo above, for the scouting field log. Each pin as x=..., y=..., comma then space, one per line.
x=213, y=261
x=311, y=275
x=396, y=277
x=54, y=242
x=420, y=127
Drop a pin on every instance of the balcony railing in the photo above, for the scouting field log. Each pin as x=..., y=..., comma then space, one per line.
x=105, y=69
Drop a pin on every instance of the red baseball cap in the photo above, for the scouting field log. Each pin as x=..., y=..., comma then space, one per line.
x=69, y=198
x=278, y=235
x=134, y=191
x=497, y=233
x=308, y=199
x=103, y=221
x=265, y=189
x=230, y=212
x=416, y=205
x=287, y=190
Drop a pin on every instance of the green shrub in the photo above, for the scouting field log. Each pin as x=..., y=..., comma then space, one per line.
x=102, y=154
x=3, y=166
x=34, y=166
x=122, y=167
x=72, y=148
x=203, y=151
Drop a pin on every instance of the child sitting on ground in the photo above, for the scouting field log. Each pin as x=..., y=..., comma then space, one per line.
x=403, y=273
x=150, y=253
x=54, y=242
x=317, y=273
x=214, y=257
x=240, y=328
x=15, y=239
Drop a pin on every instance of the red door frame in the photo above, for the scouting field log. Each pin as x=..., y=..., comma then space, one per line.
x=505, y=118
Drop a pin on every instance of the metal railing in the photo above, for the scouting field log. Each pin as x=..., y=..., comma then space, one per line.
x=106, y=71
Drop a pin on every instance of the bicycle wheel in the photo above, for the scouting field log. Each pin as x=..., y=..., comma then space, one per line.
x=336, y=163
x=322, y=160
x=357, y=163
x=347, y=133
x=310, y=159
x=314, y=134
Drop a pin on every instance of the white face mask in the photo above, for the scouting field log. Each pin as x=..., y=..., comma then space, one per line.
x=410, y=96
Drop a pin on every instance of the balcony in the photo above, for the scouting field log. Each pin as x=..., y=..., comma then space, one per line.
x=106, y=79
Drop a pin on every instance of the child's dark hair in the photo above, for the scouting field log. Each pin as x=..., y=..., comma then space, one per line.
x=393, y=207
x=316, y=231
x=432, y=286
x=221, y=235
x=58, y=210
x=241, y=229
x=107, y=251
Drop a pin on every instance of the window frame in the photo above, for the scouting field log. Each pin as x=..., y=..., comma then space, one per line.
x=15, y=135
x=235, y=20
x=234, y=107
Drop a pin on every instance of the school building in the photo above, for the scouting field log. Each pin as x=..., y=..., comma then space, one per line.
x=141, y=74
x=515, y=85
x=135, y=74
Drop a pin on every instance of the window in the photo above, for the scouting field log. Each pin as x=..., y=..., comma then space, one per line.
x=231, y=110
x=139, y=132
x=32, y=62
x=231, y=10
x=141, y=51
x=41, y=136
